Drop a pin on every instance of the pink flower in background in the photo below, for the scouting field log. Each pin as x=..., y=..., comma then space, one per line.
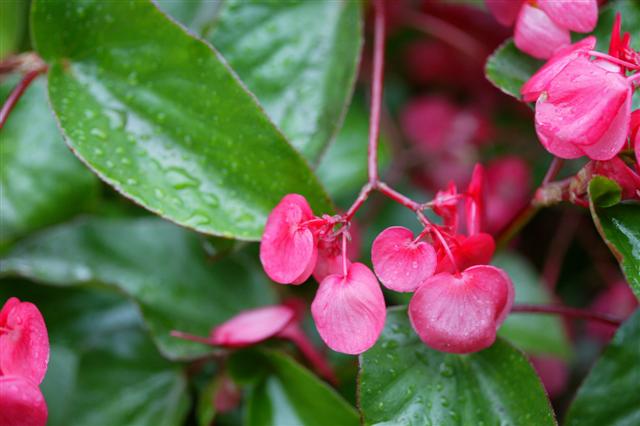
x=461, y=313
x=349, y=310
x=553, y=373
x=24, y=357
x=400, y=261
x=542, y=27
x=617, y=300
x=508, y=185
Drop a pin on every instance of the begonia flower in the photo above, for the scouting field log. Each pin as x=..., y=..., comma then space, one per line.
x=537, y=34
x=21, y=402
x=400, y=262
x=330, y=258
x=24, y=341
x=349, y=310
x=477, y=249
x=288, y=249
x=461, y=313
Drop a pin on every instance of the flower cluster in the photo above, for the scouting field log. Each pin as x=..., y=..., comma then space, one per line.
x=459, y=300
x=543, y=26
x=24, y=356
x=583, y=99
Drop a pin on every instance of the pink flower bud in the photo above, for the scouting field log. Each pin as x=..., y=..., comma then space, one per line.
x=539, y=82
x=288, y=249
x=505, y=11
x=538, y=35
x=462, y=313
x=584, y=111
x=252, y=326
x=24, y=341
x=400, y=262
x=349, y=311
x=21, y=402
x=468, y=251
x=580, y=16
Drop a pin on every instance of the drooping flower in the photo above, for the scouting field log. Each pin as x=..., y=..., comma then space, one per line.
x=21, y=402
x=288, y=249
x=24, y=341
x=462, y=313
x=584, y=110
x=542, y=27
x=400, y=262
x=349, y=310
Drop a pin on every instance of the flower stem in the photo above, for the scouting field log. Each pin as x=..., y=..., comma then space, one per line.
x=16, y=94
x=376, y=90
x=567, y=311
x=614, y=60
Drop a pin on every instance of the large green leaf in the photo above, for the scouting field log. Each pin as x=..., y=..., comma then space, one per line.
x=299, y=57
x=11, y=25
x=508, y=68
x=403, y=382
x=619, y=226
x=158, y=114
x=197, y=15
x=610, y=395
x=159, y=265
x=537, y=334
x=284, y=393
x=41, y=182
x=103, y=370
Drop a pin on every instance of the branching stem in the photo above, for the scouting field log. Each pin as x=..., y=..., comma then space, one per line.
x=567, y=311
x=16, y=94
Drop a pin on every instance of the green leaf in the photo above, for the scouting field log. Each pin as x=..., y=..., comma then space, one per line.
x=508, y=68
x=157, y=114
x=285, y=393
x=610, y=394
x=604, y=192
x=41, y=182
x=299, y=57
x=533, y=333
x=162, y=267
x=103, y=370
x=11, y=25
x=619, y=227
x=343, y=168
x=403, y=382
x=197, y=15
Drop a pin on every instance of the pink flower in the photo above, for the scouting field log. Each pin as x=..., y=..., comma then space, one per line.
x=24, y=341
x=635, y=134
x=474, y=205
x=21, y=402
x=543, y=27
x=584, y=110
x=462, y=313
x=329, y=258
x=400, y=261
x=508, y=183
x=467, y=251
x=288, y=249
x=349, y=311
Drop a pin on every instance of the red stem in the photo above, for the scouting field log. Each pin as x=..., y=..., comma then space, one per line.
x=376, y=90
x=398, y=197
x=16, y=94
x=567, y=311
x=558, y=248
x=614, y=60
x=315, y=358
x=191, y=337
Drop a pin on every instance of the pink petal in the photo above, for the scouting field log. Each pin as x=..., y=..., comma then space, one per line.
x=537, y=35
x=575, y=15
x=349, y=312
x=461, y=314
x=252, y=326
x=21, y=403
x=580, y=105
x=329, y=259
x=6, y=308
x=538, y=82
x=474, y=250
x=24, y=347
x=505, y=11
x=474, y=205
x=614, y=138
x=399, y=262
x=288, y=248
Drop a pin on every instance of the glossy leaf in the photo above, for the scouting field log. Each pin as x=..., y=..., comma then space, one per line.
x=508, y=68
x=41, y=182
x=284, y=393
x=604, y=192
x=619, y=227
x=197, y=15
x=402, y=381
x=300, y=58
x=157, y=114
x=103, y=370
x=534, y=333
x=610, y=394
x=162, y=267
x=343, y=167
